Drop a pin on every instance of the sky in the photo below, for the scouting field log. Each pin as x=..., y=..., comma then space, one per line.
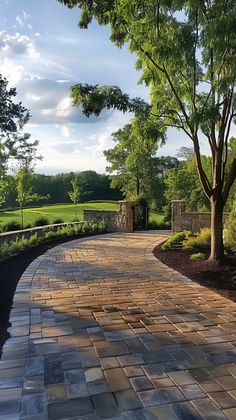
x=42, y=54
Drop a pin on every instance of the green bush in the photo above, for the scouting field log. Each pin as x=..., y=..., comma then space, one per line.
x=86, y=227
x=4, y=250
x=230, y=231
x=41, y=221
x=176, y=239
x=153, y=224
x=198, y=256
x=201, y=241
x=65, y=231
x=58, y=220
x=28, y=226
x=78, y=228
x=102, y=226
x=10, y=226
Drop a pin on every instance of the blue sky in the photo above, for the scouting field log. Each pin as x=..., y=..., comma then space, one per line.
x=42, y=53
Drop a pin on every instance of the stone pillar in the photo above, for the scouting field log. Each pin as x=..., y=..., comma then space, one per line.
x=178, y=208
x=127, y=216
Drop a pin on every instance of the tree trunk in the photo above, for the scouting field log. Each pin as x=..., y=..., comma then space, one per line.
x=217, y=246
x=22, y=217
x=76, y=213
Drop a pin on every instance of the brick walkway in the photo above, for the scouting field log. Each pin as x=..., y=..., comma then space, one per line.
x=101, y=329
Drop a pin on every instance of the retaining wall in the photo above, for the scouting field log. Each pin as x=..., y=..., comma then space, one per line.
x=194, y=221
x=9, y=237
x=117, y=221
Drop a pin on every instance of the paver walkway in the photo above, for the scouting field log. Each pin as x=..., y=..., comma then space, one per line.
x=101, y=329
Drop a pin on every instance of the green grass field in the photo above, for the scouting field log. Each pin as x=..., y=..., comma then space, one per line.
x=66, y=212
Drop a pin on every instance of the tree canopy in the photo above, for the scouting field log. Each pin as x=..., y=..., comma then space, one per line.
x=15, y=144
x=186, y=53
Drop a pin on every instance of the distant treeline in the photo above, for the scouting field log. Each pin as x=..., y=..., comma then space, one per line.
x=93, y=186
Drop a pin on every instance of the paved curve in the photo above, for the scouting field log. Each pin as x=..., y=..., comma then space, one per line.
x=101, y=329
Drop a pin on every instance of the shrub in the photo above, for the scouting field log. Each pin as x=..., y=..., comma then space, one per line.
x=230, y=231
x=102, y=226
x=197, y=257
x=64, y=231
x=86, y=227
x=58, y=220
x=176, y=239
x=11, y=226
x=50, y=234
x=41, y=221
x=201, y=241
x=4, y=250
x=78, y=228
x=153, y=224
x=28, y=226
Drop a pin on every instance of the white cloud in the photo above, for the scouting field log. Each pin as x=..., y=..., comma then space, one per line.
x=23, y=18
x=11, y=71
x=64, y=107
x=19, y=20
x=17, y=44
x=65, y=131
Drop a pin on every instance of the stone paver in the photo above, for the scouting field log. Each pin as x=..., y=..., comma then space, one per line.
x=101, y=329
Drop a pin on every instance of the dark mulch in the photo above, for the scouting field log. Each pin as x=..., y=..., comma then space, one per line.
x=11, y=271
x=215, y=276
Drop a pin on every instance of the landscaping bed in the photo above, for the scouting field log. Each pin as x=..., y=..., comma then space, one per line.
x=215, y=276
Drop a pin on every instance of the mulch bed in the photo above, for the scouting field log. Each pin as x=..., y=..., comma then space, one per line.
x=215, y=276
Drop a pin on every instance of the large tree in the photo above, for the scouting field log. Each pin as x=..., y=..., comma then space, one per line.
x=186, y=50
x=15, y=144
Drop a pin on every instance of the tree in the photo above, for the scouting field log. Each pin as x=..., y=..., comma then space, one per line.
x=186, y=52
x=182, y=183
x=14, y=143
x=75, y=194
x=25, y=168
x=130, y=159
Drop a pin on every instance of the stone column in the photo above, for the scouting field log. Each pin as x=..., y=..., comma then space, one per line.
x=127, y=216
x=178, y=208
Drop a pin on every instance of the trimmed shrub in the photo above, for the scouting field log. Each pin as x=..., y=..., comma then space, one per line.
x=10, y=226
x=28, y=226
x=197, y=257
x=176, y=239
x=201, y=241
x=58, y=220
x=41, y=221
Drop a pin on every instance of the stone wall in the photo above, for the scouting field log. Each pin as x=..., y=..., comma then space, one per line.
x=9, y=237
x=117, y=221
x=194, y=221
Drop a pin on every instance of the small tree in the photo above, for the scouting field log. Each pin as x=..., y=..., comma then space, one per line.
x=24, y=181
x=75, y=194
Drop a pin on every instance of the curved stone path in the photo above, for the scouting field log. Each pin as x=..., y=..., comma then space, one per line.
x=103, y=330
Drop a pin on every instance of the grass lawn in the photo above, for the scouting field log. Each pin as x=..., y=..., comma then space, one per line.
x=156, y=217
x=66, y=212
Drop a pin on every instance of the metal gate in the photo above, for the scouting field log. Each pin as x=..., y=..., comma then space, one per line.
x=140, y=216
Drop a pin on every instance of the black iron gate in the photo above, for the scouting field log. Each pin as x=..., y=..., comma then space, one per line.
x=140, y=216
